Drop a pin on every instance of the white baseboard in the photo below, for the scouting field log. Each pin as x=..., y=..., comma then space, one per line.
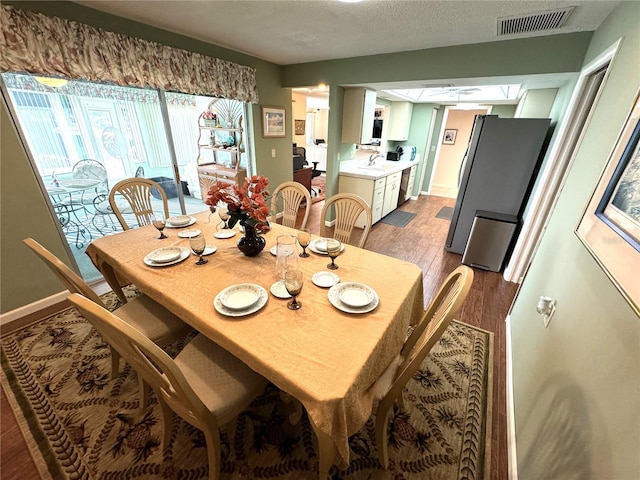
x=444, y=191
x=100, y=287
x=25, y=310
x=512, y=458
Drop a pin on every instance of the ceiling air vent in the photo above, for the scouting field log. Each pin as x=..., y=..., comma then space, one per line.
x=534, y=22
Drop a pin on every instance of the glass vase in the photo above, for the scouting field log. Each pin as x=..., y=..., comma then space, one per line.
x=251, y=244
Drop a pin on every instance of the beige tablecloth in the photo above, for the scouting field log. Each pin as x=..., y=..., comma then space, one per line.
x=322, y=356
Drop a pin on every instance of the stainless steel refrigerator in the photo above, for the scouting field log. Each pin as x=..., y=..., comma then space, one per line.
x=497, y=171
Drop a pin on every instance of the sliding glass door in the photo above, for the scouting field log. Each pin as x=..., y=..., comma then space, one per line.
x=84, y=137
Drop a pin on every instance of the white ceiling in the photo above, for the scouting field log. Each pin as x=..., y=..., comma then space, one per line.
x=297, y=31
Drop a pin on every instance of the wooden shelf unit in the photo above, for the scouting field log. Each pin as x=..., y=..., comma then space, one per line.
x=220, y=150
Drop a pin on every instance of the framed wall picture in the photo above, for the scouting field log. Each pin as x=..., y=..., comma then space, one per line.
x=449, y=137
x=299, y=127
x=610, y=225
x=273, y=122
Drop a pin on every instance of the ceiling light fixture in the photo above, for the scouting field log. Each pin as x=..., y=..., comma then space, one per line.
x=52, y=82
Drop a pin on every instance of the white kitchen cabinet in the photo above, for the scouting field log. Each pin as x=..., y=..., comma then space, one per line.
x=399, y=121
x=378, y=200
x=357, y=115
x=372, y=191
x=391, y=192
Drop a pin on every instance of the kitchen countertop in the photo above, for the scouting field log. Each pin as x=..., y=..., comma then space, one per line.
x=381, y=168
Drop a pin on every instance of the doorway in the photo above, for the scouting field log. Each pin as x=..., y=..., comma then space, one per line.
x=312, y=105
x=585, y=96
x=454, y=136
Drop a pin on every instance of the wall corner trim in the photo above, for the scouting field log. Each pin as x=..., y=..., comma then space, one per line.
x=512, y=458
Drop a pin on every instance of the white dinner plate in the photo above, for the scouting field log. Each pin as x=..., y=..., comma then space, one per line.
x=179, y=220
x=190, y=222
x=335, y=293
x=274, y=250
x=185, y=252
x=192, y=232
x=278, y=290
x=208, y=250
x=319, y=246
x=240, y=297
x=164, y=254
x=224, y=234
x=261, y=302
x=356, y=295
x=325, y=279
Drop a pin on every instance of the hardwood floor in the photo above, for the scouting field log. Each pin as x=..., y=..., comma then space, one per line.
x=421, y=242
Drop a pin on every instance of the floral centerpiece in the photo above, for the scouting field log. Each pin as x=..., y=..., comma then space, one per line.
x=247, y=205
x=209, y=117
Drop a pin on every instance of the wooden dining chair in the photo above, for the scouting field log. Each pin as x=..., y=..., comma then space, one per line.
x=143, y=313
x=291, y=195
x=204, y=384
x=444, y=306
x=137, y=193
x=348, y=207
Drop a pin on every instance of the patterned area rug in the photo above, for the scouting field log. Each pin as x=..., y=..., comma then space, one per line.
x=318, y=185
x=79, y=424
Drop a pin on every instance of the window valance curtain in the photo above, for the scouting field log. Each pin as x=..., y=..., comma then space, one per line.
x=43, y=45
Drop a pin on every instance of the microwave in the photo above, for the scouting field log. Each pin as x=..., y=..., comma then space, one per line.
x=393, y=156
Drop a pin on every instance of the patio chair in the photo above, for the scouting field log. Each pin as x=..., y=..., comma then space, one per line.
x=142, y=313
x=103, y=215
x=348, y=208
x=444, y=306
x=91, y=170
x=204, y=384
x=137, y=193
x=291, y=195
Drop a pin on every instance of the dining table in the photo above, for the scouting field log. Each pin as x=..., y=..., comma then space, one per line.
x=328, y=358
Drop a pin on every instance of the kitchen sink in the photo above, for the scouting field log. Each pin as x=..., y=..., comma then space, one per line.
x=377, y=168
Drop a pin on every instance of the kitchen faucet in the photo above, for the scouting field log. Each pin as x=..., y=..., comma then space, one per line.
x=372, y=158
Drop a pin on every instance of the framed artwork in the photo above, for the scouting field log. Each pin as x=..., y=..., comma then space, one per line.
x=610, y=225
x=273, y=122
x=450, y=136
x=299, y=127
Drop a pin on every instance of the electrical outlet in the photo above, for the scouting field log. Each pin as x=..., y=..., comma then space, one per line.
x=273, y=153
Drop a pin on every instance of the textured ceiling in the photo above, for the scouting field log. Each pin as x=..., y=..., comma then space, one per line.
x=298, y=31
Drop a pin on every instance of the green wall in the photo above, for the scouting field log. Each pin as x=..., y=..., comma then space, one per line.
x=23, y=213
x=550, y=54
x=577, y=382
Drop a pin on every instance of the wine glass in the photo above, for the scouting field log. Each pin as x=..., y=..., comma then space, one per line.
x=198, y=243
x=293, y=283
x=304, y=237
x=333, y=250
x=159, y=222
x=223, y=213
